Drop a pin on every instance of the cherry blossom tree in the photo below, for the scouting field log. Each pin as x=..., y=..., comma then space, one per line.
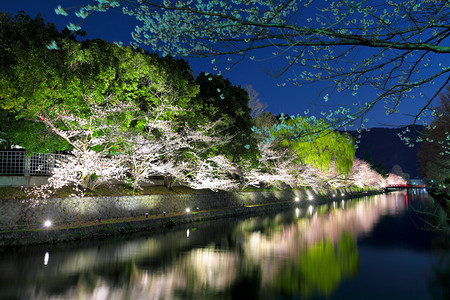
x=276, y=167
x=362, y=175
x=283, y=165
x=393, y=179
x=214, y=173
x=105, y=150
x=178, y=155
x=94, y=140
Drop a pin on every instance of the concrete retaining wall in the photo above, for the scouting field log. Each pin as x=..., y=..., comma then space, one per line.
x=14, y=213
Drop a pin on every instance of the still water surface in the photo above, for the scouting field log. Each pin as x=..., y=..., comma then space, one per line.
x=367, y=248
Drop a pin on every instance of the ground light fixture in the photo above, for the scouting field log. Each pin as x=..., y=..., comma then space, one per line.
x=47, y=223
x=297, y=199
x=311, y=198
x=188, y=210
x=164, y=213
x=146, y=215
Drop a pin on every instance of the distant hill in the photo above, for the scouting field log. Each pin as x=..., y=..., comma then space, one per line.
x=387, y=148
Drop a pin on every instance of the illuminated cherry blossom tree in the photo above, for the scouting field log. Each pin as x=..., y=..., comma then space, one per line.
x=104, y=150
x=178, y=155
x=361, y=175
x=393, y=179
x=276, y=167
x=94, y=138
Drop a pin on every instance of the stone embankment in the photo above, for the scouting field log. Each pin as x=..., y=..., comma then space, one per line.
x=98, y=217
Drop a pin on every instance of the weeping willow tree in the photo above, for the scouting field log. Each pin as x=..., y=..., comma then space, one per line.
x=315, y=143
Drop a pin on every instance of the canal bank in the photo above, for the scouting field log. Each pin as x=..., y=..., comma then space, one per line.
x=227, y=205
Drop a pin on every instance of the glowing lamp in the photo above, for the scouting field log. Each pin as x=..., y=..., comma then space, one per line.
x=47, y=223
x=188, y=210
x=297, y=199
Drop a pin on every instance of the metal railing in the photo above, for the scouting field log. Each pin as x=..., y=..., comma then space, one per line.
x=18, y=163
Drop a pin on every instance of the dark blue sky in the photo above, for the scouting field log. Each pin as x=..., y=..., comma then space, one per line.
x=113, y=26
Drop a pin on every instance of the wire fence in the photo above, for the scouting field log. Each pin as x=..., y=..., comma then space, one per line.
x=18, y=163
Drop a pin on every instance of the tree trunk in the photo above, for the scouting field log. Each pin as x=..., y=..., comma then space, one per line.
x=168, y=182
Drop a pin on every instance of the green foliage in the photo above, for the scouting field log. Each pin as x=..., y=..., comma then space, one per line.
x=219, y=99
x=368, y=157
x=27, y=67
x=379, y=168
x=315, y=142
x=29, y=134
x=85, y=95
x=38, y=83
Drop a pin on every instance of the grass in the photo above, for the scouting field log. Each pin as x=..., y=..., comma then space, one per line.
x=18, y=193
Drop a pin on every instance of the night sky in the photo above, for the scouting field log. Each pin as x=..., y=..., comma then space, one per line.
x=292, y=100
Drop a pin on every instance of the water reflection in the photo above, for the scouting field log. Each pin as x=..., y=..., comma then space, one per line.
x=306, y=252
x=319, y=268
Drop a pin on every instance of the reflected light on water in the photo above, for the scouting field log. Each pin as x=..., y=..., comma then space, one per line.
x=46, y=258
x=287, y=252
x=210, y=267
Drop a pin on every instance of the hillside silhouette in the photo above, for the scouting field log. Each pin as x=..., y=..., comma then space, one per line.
x=386, y=148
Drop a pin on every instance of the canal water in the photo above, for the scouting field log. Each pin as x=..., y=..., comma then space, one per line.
x=380, y=247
